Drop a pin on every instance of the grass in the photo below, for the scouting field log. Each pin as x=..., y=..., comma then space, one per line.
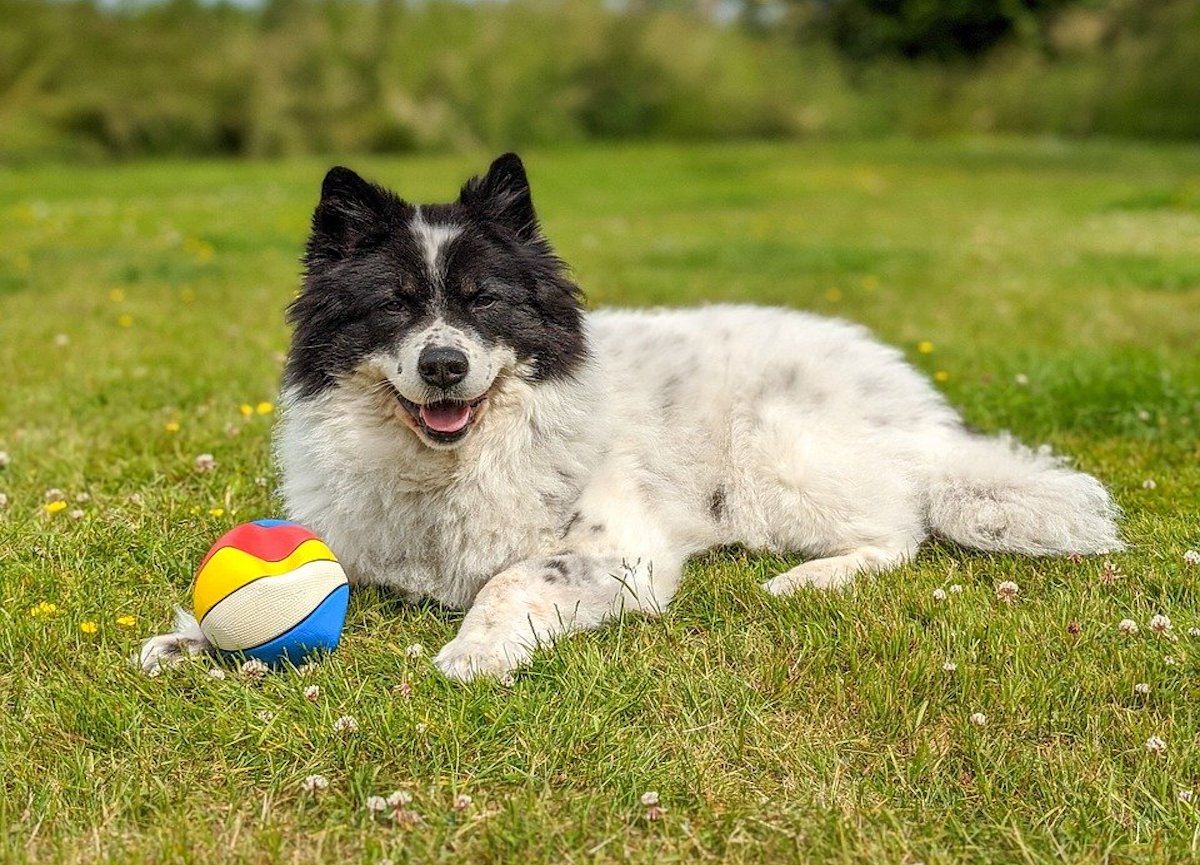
x=818, y=728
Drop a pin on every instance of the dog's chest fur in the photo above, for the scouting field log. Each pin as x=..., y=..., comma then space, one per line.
x=435, y=524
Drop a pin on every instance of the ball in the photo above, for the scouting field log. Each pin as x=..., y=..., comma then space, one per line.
x=271, y=590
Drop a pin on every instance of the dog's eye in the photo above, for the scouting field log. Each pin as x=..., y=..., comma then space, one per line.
x=483, y=300
x=394, y=306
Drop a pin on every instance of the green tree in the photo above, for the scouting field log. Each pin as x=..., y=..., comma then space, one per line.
x=942, y=29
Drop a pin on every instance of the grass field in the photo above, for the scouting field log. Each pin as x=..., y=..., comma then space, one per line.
x=1059, y=288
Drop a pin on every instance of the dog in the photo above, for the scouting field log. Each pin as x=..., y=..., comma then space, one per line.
x=459, y=429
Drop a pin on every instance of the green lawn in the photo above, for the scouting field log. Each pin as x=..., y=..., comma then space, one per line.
x=141, y=308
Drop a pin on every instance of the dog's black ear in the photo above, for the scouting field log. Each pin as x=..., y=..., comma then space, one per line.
x=350, y=212
x=502, y=196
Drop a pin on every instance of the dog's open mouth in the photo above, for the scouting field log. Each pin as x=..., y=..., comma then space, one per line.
x=445, y=420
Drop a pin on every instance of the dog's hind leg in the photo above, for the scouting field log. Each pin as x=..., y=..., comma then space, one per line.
x=834, y=572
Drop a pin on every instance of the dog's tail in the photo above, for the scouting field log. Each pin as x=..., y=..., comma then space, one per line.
x=997, y=495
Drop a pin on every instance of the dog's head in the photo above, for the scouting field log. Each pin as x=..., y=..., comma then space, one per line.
x=434, y=306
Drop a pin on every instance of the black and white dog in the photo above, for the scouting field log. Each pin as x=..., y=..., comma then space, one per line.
x=457, y=428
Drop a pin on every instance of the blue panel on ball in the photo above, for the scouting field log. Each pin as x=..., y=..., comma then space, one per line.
x=268, y=523
x=321, y=630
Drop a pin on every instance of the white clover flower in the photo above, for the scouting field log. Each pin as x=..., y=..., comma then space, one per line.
x=979, y=719
x=83, y=498
x=307, y=669
x=1160, y=624
x=4, y=459
x=956, y=589
x=376, y=804
x=1142, y=689
x=1021, y=379
x=416, y=650
x=1191, y=557
x=1007, y=591
x=1169, y=660
x=254, y=669
x=650, y=797
x=265, y=716
x=399, y=798
x=76, y=514
x=204, y=463
x=1185, y=795
x=1109, y=573
x=1128, y=627
x=315, y=783
x=462, y=802
x=3, y=500
x=312, y=693
x=54, y=494
x=1156, y=745
x=216, y=673
x=406, y=817
x=949, y=666
x=345, y=724
x=939, y=594
x=62, y=340
x=1193, y=632
x=1149, y=484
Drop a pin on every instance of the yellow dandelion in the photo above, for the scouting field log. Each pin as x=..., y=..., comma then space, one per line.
x=117, y=295
x=195, y=509
x=43, y=608
x=925, y=347
x=833, y=295
x=216, y=512
x=246, y=409
x=201, y=250
x=870, y=282
x=171, y=426
x=125, y=320
x=264, y=408
x=88, y=627
x=126, y=621
x=55, y=507
x=941, y=375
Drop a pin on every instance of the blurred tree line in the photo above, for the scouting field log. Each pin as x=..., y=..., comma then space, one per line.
x=81, y=80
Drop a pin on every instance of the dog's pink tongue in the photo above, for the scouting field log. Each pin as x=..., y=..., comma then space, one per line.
x=446, y=417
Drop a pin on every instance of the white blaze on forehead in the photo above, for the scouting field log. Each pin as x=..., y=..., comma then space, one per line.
x=432, y=238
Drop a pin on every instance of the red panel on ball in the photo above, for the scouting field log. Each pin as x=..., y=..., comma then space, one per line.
x=269, y=543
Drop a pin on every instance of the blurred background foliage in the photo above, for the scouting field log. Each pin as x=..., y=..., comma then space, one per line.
x=87, y=80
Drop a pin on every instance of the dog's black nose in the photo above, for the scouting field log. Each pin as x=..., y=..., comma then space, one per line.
x=442, y=367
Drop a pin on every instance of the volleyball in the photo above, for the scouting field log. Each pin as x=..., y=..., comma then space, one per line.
x=271, y=590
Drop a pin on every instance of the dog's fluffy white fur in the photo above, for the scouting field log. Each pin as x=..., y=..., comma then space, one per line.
x=574, y=499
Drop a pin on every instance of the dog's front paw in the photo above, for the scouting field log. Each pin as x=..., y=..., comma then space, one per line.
x=465, y=659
